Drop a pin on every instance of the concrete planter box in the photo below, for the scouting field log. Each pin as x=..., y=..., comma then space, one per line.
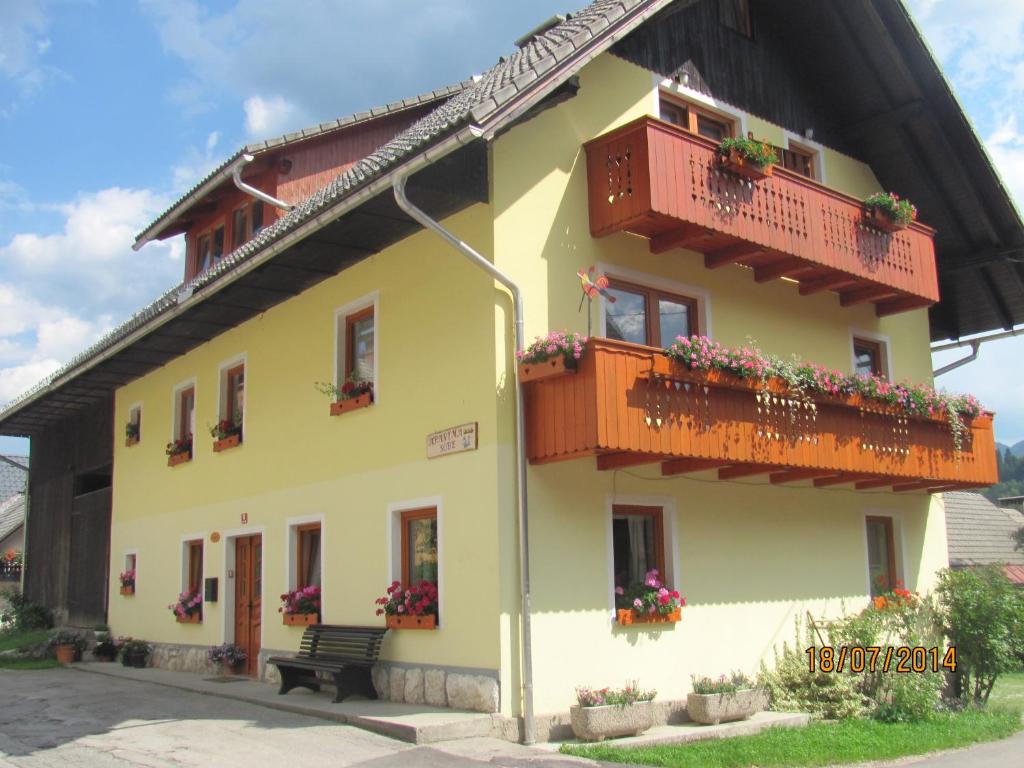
x=599, y=723
x=715, y=708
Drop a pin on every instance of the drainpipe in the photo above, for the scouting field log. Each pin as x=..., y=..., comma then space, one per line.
x=236, y=175
x=475, y=258
x=974, y=344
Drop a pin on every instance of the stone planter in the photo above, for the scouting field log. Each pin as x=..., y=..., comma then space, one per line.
x=301, y=619
x=554, y=366
x=715, y=708
x=351, y=404
x=738, y=164
x=230, y=441
x=627, y=617
x=428, y=621
x=599, y=723
x=179, y=458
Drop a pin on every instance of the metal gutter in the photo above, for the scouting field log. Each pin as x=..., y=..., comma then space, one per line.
x=974, y=344
x=236, y=176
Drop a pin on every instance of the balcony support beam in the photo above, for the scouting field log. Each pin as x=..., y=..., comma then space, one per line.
x=827, y=283
x=781, y=268
x=902, y=304
x=684, y=466
x=920, y=486
x=688, y=236
x=865, y=294
x=744, y=470
x=732, y=254
x=867, y=485
x=796, y=475
x=607, y=461
x=839, y=478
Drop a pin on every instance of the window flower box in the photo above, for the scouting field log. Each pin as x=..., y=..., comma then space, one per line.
x=339, y=407
x=553, y=366
x=128, y=591
x=553, y=355
x=179, y=458
x=715, y=708
x=887, y=212
x=735, y=163
x=190, y=618
x=300, y=619
x=627, y=617
x=396, y=621
x=747, y=157
x=230, y=441
x=130, y=441
x=878, y=219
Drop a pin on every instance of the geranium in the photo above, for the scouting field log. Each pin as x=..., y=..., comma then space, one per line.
x=648, y=596
x=305, y=600
x=225, y=428
x=189, y=604
x=607, y=697
x=181, y=445
x=756, y=152
x=127, y=578
x=568, y=344
x=415, y=600
x=901, y=211
x=352, y=387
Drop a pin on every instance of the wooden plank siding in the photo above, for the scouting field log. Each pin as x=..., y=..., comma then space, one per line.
x=654, y=179
x=630, y=399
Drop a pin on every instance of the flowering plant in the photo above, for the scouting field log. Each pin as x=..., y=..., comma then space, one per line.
x=225, y=428
x=188, y=604
x=568, y=344
x=756, y=152
x=350, y=389
x=131, y=430
x=181, y=445
x=414, y=600
x=900, y=211
x=608, y=697
x=699, y=353
x=649, y=596
x=305, y=600
x=66, y=637
x=228, y=654
x=736, y=681
x=896, y=599
x=127, y=578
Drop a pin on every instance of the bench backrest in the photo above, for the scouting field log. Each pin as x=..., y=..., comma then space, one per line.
x=358, y=645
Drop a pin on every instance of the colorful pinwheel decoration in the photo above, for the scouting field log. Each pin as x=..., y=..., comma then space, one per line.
x=594, y=285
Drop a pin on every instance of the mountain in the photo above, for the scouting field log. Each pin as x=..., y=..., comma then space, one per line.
x=1017, y=449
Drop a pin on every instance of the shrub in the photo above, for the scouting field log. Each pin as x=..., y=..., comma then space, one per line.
x=23, y=615
x=982, y=614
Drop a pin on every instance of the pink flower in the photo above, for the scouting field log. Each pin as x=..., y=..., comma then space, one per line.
x=620, y=591
x=638, y=603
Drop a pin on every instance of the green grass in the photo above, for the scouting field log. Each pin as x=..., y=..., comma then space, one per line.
x=12, y=641
x=849, y=741
x=20, y=662
x=1009, y=691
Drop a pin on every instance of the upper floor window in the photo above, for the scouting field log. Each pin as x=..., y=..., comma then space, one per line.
x=239, y=232
x=868, y=357
x=185, y=413
x=360, y=328
x=797, y=160
x=696, y=120
x=133, y=430
x=735, y=14
x=648, y=316
x=307, y=539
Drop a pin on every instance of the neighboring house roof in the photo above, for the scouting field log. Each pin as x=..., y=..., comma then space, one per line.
x=979, y=533
x=12, y=515
x=12, y=478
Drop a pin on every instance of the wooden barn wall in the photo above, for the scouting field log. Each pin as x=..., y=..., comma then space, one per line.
x=764, y=75
x=78, y=446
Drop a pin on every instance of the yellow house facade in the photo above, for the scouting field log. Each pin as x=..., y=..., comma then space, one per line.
x=353, y=501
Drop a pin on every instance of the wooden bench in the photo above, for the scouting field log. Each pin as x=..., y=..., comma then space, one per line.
x=346, y=653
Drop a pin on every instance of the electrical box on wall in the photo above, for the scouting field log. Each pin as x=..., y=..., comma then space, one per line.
x=210, y=593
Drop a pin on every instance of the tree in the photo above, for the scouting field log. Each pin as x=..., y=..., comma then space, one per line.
x=1018, y=536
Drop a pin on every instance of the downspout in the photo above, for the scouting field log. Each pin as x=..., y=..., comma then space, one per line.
x=974, y=344
x=236, y=175
x=474, y=257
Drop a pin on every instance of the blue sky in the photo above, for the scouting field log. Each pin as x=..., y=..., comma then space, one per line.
x=110, y=110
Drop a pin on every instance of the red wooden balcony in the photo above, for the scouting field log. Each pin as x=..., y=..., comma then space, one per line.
x=629, y=404
x=656, y=180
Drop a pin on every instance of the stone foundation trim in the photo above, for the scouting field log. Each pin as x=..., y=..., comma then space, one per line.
x=473, y=690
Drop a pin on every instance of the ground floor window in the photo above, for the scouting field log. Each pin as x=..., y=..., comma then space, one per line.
x=194, y=565
x=881, y=555
x=638, y=543
x=419, y=546
x=308, y=540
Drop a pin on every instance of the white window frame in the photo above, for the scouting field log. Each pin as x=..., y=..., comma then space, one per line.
x=394, y=538
x=645, y=280
x=176, y=412
x=291, y=530
x=340, y=339
x=125, y=554
x=222, y=388
x=879, y=338
x=669, y=514
x=183, y=574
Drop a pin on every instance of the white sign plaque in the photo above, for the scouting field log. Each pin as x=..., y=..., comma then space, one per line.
x=452, y=440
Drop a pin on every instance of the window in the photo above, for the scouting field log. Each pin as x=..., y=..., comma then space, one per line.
x=359, y=345
x=185, y=416
x=218, y=246
x=307, y=538
x=638, y=543
x=881, y=555
x=239, y=234
x=234, y=395
x=695, y=119
x=419, y=546
x=868, y=357
x=133, y=431
x=256, y=217
x=735, y=14
x=194, y=565
x=797, y=160
x=648, y=316
x=202, y=254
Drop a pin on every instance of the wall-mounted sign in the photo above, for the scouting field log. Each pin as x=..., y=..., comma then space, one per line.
x=215, y=537
x=244, y=518
x=452, y=440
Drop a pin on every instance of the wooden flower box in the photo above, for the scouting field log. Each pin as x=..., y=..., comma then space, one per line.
x=627, y=617
x=127, y=591
x=427, y=621
x=736, y=163
x=878, y=219
x=228, y=442
x=553, y=366
x=301, y=619
x=130, y=441
x=179, y=458
x=192, y=618
x=351, y=404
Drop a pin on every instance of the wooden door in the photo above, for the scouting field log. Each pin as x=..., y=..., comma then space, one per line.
x=249, y=598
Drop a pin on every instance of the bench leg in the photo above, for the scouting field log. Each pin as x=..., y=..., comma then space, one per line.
x=351, y=681
x=292, y=678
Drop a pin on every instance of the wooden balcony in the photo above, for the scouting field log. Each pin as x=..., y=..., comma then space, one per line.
x=656, y=180
x=629, y=404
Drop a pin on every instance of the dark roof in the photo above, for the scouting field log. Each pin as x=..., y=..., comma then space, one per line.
x=12, y=514
x=12, y=479
x=978, y=532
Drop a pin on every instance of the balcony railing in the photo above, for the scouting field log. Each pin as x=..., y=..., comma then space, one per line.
x=629, y=404
x=656, y=180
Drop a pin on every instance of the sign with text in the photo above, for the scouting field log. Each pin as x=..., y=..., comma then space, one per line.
x=452, y=440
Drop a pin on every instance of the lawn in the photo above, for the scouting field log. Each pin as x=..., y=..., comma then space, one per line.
x=13, y=641
x=1009, y=691
x=848, y=741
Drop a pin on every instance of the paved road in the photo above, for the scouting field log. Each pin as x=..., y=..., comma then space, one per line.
x=61, y=717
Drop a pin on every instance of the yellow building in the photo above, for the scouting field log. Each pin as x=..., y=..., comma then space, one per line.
x=595, y=144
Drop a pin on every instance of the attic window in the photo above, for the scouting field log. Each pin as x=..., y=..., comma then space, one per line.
x=735, y=14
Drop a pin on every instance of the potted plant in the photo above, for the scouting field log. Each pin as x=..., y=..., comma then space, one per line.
x=226, y=433
x=747, y=157
x=179, y=451
x=131, y=434
x=301, y=607
x=352, y=395
x=887, y=212
x=728, y=698
x=648, y=602
x=106, y=649
x=134, y=653
x=127, y=579
x=606, y=713
x=412, y=607
x=229, y=655
x=551, y=355
x=67, y=646
x=189, y=607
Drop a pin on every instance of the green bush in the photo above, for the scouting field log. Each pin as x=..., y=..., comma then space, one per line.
x=982, y=614
x=23, y=615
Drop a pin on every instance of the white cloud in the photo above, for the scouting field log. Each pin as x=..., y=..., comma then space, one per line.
x=271, y=116
x=1006, y=146
x=196, y=163
x=18, y=379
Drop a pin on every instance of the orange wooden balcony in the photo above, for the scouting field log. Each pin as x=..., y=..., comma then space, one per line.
x=629, y=404
x=656, y=180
